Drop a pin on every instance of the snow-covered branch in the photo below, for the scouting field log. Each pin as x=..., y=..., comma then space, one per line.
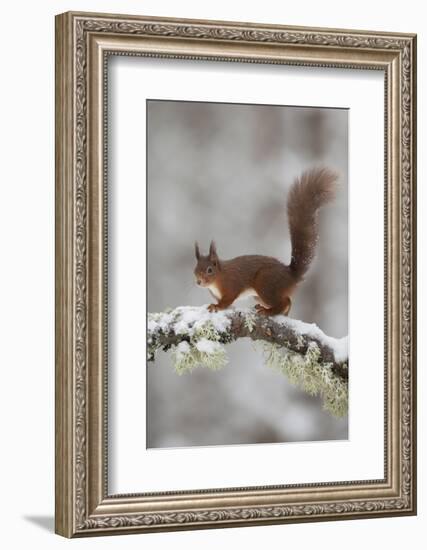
x=316, y=362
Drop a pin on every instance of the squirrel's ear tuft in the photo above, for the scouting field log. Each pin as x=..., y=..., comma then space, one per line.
x=196, y=250
x=212, y=251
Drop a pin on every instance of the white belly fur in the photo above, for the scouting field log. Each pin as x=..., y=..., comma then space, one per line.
x=215, y=291
x=249, y=292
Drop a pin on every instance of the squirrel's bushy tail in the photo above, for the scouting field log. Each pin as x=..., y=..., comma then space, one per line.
x=310, y=191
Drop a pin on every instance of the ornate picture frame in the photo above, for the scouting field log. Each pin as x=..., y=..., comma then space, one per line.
x=84, y=506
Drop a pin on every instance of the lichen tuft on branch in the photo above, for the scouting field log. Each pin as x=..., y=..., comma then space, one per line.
x=309, y=358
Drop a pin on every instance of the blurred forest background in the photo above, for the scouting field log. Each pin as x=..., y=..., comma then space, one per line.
x=222, y=171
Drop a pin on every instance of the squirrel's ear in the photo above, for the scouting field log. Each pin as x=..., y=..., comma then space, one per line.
x=196, y=250
x=212, y=251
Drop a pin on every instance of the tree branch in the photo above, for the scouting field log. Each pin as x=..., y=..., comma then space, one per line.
x=185, y=324
x=308, y=357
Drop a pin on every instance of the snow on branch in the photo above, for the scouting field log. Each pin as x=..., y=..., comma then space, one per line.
x=312, y=360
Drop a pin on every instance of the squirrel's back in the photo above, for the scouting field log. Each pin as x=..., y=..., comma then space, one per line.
x=309, y=192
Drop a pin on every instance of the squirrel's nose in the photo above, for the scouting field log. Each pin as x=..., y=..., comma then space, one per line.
x=198, y=281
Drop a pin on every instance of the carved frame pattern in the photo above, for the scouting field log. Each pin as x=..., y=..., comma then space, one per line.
x=83, y=507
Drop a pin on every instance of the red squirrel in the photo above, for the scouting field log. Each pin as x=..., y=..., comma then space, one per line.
x=267, y=279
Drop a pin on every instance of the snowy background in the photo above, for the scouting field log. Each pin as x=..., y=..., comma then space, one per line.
x=222, y=171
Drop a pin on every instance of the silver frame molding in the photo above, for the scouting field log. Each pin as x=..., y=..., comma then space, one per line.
x=83, y=43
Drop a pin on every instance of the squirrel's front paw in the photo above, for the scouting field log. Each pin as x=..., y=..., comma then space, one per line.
x=212, y=308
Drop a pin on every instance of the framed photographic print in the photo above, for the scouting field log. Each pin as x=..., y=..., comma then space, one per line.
x=235, y=274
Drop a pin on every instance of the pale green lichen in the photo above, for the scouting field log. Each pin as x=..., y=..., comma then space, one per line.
x=186, y=361
x=300, y=341
x=201, y=348
x=249, y=321
x=206, y=330
x=311, y=375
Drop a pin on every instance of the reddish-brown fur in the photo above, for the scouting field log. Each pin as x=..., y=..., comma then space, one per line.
x=271, y=280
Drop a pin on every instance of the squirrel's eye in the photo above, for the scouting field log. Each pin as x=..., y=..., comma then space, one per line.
x=209, y=271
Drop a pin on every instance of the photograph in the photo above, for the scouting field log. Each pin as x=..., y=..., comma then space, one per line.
x=247, y=254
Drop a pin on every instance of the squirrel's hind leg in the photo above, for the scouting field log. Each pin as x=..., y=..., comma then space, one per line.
x=281, y=308
x=288, y=306
x=273, y=286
